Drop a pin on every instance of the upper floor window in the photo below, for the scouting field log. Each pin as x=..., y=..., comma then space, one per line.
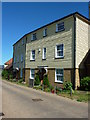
x=14, y=60
x=32, y=73
x=33, y=37
x=18, y=58
x=22, y=41
x=45, y=32
x=59, y=75
x=21, y=57
x=21, y=73
x=60, y=27
x=15, y=47
x=32, y=55
x=59, y=51
x=44, y=53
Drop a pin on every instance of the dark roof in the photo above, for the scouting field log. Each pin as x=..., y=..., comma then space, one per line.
x=72, y=14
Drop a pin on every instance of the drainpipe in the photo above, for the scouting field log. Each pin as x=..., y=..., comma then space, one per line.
x=74, y=51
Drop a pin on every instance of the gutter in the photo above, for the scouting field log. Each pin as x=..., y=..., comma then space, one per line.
x=74, y=61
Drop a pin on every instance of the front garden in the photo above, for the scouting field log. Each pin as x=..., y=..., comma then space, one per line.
x=81, y=95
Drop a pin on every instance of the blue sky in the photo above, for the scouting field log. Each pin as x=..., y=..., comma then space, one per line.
x=19, y=18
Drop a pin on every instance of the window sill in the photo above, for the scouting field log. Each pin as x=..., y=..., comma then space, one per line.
x=59, y=82
x=32, y=60
x=34, y=40
x=59, y=57
x=43, y=59
x=45, y=36
x=60, y=30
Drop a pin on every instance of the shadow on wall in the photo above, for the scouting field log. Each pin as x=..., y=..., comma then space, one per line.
x=84, y=67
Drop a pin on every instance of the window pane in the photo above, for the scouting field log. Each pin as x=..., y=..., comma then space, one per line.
x=59, y=74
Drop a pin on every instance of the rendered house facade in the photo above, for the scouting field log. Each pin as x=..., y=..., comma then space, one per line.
x=57, y=49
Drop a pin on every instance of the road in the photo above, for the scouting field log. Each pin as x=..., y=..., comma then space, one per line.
x=20, y=102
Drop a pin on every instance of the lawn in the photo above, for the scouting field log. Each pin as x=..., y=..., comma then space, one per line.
x=80, y=96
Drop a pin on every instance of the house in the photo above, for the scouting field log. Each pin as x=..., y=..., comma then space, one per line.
x=1, y=68
x=8, y=65
x=56, y=49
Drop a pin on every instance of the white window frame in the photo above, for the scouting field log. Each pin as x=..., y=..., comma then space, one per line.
x=59, y=50
x=43, y=56
x=21, y=57
x=62, y=24
x=18, y=58
x=22, y=41
x=45, y=32
x=31, y=55
x=31, y=73
x=32, y=36
x=21, y=73
x=14, y=60
x=61, y=75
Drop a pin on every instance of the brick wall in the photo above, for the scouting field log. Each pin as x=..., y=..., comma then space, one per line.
x=27, y=75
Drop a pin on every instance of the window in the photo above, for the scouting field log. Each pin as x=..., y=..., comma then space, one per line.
x=21, y=73
x=22, y=42
x=45, y=32
x=15, y=47
x=32, y=73
x=21, y=57
x=44, y=53
x=14, y=59
x=59, y=51
x=60, y=27
x=32, y=55
x=59, y=75
x=33, y=37
x=18, y=58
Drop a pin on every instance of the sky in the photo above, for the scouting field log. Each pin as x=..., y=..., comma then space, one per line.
x=19, y=18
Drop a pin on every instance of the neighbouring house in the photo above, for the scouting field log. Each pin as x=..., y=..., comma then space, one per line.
x=60, y=49
x=9, y=65
x=1, y=68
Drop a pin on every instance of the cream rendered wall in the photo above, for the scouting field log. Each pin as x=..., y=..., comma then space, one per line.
x=89, y=36
x=50, y=42
x=82, y=40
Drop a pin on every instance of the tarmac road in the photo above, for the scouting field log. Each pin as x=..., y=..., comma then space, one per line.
x=20, y=102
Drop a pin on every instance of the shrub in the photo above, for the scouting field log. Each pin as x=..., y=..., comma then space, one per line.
x=58, y=89
x=37, y=80
x=11, y=76
x=20, y=81
x=51, y=87
x=46, y=81
x=5, y=74
x=47, y=89
x=85, y=83
x=67, y=85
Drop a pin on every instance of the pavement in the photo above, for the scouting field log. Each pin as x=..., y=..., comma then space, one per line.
x=24, y=102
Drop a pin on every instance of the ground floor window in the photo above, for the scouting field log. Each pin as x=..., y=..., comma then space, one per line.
x=59, y=75
x=32, y=73
x=21, y=73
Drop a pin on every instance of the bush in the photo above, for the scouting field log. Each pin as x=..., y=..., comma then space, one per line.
x=5, y=74
x=11, y=76
x=37, y=80
x=85, y=83
x=67, y=85
x=20, y=81
x=46, y=81
x=58, y=89
x=47, y=89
